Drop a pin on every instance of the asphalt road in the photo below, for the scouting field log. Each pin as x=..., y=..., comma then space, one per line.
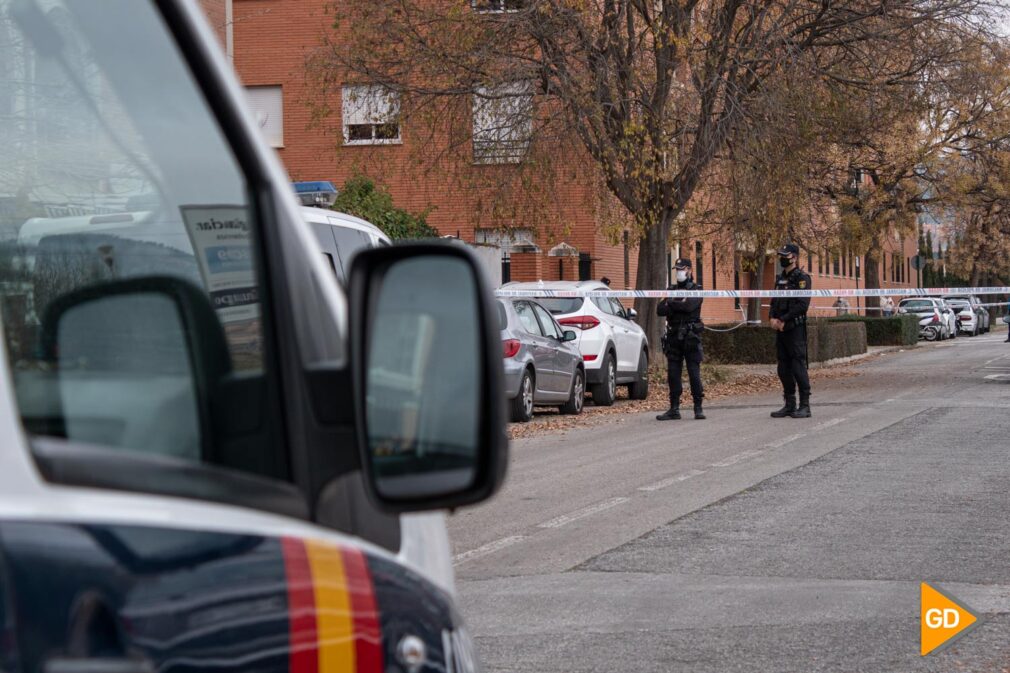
x=746, y=543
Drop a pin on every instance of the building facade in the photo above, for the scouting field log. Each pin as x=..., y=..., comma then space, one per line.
x=270, y=43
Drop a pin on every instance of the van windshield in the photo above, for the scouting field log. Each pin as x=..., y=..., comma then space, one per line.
x=115, y=173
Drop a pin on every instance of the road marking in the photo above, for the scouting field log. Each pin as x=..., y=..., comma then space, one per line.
x=489, y=548
x=997, y=377
x=736, y=458
x=828, y=424
x=672, y=480
x=778, y=444
x=566, y=519
x=785, y=440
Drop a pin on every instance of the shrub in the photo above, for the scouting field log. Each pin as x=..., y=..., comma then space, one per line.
x=360, y=196
x=838, y=340
x=755, y=344
x=900, y=330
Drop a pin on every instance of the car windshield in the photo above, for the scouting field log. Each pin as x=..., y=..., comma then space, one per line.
x=561, y=305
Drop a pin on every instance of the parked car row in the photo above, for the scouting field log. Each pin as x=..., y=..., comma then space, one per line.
x=946, y=317
x=556, y=349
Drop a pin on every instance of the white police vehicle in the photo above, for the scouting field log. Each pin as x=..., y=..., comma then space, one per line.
x=207, y=444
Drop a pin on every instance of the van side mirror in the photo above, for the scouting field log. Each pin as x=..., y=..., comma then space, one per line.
x=427, y=377
x=630, y=313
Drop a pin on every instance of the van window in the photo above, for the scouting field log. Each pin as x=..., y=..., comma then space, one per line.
x=349, y=242
x=125, y=176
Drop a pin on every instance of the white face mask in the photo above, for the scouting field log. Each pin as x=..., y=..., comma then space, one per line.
x=681, y=276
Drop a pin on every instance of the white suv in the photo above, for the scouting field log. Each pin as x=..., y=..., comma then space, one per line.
x=614, y=348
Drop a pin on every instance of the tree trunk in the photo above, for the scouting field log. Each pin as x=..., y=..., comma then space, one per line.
x=653, y=274
x=755, y=279
x=872, y=268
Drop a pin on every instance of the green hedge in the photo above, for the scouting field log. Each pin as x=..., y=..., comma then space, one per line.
x=899, y=330
x=755, y=344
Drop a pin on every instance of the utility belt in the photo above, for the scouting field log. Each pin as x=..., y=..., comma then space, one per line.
x=688, y=332
x=796, y=322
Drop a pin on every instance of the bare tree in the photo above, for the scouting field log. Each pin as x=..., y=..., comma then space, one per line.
x=652, y=89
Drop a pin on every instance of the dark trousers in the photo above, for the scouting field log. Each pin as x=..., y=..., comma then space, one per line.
x=677, y=353
x=791, y=348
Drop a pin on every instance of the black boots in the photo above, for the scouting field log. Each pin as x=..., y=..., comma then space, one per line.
x=788, y=410
x=804, y=409
x=699, y=413
x=671, y=414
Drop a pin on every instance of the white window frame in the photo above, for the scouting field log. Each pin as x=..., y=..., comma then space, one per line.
x=502, y=123
x=268, y=111
x=370, y=105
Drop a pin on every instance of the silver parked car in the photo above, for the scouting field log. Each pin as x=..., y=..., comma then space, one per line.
x=543, y=365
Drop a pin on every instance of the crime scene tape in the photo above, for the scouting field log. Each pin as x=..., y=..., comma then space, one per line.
x=827, y=307
x=753, y=294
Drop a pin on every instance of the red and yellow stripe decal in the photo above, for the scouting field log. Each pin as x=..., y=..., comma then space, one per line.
x=334, y=622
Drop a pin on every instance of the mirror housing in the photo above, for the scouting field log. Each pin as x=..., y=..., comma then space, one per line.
x=631, y=313
x=569, y=335
x=426, y=376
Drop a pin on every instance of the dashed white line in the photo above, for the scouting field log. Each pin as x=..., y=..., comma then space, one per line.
x=828, y=424
x=566, y=519
x=676, y=479
x=489, y=548
x=778, y=444
x=737, y=457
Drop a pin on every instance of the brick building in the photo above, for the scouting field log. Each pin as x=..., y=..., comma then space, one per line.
x=270, y=41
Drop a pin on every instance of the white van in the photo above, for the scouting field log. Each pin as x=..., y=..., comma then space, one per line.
x=341, y=236
x=212, y=453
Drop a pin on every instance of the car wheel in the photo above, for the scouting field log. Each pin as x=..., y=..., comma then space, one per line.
x=578, y=398
x=605, y=392
x=639, y=390
x=522, y=404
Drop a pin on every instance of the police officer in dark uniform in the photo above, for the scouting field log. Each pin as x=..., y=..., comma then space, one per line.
x=682, y=342
x=789, y=318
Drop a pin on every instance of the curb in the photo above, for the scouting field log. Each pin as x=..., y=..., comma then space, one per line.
x=879, y=350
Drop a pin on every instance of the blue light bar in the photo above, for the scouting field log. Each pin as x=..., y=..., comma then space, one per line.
x=316, y=193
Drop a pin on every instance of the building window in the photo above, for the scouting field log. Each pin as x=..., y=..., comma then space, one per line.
x=267, y=106
x=699, y=269
x=810, y=261
x=852, y=264
x=837, y=268
x=496, y=6
x=585, y=266
x=502, y=123
x=713, y=267
x=820, y=264
x=844, y=261
x=513, y=240
x=371, y=115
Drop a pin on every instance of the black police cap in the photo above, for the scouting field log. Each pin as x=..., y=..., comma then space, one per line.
x=789, y=249
x=682, y=263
